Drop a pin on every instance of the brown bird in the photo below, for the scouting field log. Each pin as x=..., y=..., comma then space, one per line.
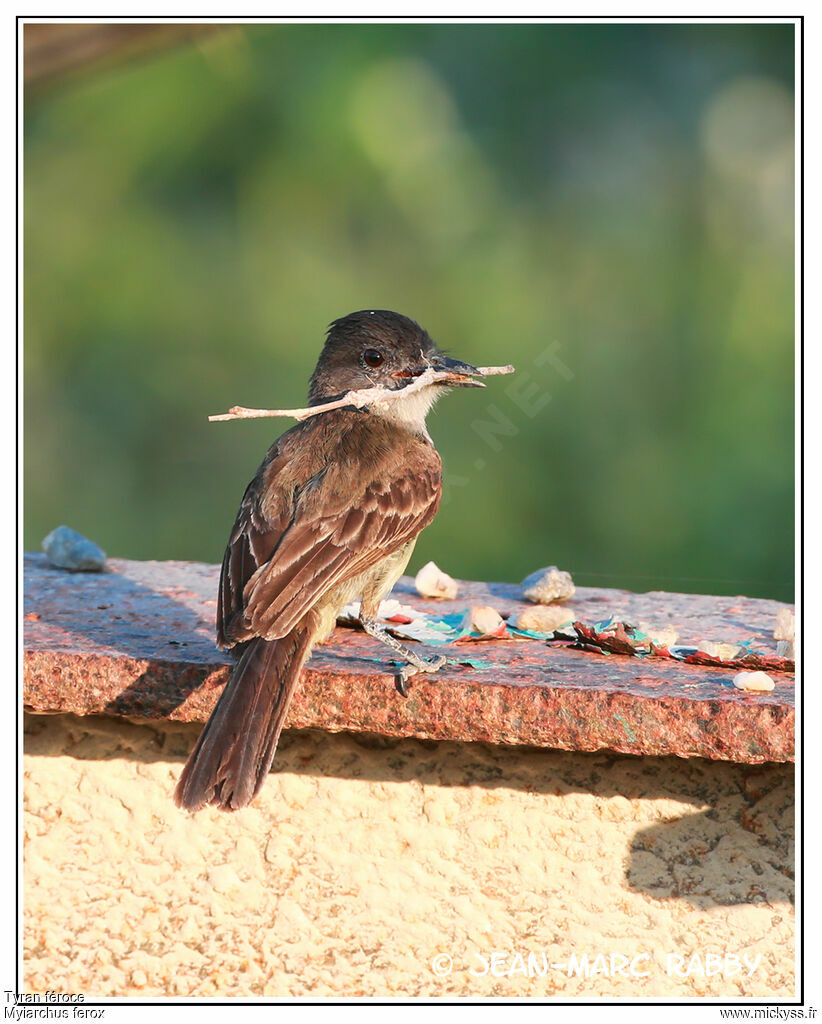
x=332, y=514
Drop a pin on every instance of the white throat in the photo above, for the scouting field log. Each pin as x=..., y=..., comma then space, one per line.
x=410, y=411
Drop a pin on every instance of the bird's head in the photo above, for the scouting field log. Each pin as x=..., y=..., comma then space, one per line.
x=378, y=348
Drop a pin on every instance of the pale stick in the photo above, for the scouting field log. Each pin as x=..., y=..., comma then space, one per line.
x=380, y=397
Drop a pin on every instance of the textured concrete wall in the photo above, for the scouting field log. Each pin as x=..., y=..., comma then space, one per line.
x=365, y=864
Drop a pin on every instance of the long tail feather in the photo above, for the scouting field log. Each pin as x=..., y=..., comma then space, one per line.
x=232, y=757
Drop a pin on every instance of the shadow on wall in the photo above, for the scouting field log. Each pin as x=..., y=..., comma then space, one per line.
x=737, y=849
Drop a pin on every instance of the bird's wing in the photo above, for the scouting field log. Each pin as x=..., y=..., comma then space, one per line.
x=318, y=552
x=289, y=547
x=253, y=538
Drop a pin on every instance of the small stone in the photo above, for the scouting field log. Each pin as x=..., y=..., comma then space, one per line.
x=721, y=651
x=754, y=682
x=544, y=618
x=548, y=586
x=431, y=581
x=785, y=625
x=785, y=649
x=662, y=636
x=67, y=549
x=483, y=619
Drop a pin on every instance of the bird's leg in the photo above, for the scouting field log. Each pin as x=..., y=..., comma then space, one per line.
x=415, y=662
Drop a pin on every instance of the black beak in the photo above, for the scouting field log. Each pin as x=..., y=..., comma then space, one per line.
x=459, y=374
x=463, y=374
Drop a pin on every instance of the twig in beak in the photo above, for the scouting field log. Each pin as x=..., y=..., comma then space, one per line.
x=363, y=397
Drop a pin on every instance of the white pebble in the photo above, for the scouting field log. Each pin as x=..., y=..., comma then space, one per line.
x=431, y=581
x=754, y=682
x=784, y=649
x=662, y=636
x=547, y=586
x=785, y=625
x=721, y=651
x=544, y=618
x=482, y=619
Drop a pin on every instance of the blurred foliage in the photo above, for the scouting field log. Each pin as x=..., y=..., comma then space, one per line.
x=610, y=207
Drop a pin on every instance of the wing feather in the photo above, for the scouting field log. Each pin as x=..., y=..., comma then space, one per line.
x=390, y=513
x=291, y=544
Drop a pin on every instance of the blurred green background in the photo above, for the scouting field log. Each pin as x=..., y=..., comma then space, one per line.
x=609, y=207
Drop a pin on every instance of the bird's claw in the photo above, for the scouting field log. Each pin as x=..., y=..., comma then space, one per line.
x=434, y=664
x=428, y=665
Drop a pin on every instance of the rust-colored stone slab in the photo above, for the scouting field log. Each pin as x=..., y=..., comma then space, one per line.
x=137, y=640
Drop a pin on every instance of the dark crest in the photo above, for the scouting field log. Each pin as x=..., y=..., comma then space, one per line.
x=367, y=348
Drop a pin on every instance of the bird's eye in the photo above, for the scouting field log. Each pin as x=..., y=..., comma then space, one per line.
x=372, y=357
